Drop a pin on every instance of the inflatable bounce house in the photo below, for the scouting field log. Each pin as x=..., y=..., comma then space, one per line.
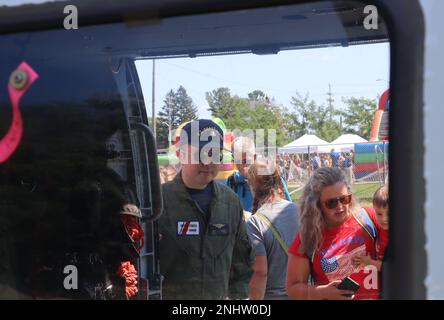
x=380, y=128
x=371, y=158
x=169, y=163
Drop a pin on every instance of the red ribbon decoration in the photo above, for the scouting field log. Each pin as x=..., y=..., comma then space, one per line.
x=126, y=269
x=20, y=81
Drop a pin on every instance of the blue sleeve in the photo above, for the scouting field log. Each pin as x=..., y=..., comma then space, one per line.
x=287, y=194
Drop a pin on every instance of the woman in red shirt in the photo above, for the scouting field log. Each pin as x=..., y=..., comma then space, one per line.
x=332, y=231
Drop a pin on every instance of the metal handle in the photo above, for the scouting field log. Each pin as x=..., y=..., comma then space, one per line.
x=153, y=168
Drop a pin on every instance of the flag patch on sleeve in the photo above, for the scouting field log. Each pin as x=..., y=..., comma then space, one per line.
x=187, y=228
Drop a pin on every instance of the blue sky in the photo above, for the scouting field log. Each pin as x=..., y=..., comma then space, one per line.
x=360, y=71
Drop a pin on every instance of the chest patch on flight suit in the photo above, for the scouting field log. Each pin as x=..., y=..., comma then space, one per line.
x=219, y=229
x=187, y=228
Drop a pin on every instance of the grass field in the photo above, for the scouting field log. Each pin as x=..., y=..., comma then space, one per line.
x=363, y=192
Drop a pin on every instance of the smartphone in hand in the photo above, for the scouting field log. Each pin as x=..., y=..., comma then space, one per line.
x=349, y=284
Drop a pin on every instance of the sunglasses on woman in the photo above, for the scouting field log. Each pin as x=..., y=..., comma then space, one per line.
x=333, y=202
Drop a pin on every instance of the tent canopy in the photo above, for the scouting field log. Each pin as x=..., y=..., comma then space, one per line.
x=306, y=143
x=344, y=143
x=309, y=143
x=348, y=138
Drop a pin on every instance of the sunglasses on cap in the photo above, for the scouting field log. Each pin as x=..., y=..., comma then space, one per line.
x=333, y=202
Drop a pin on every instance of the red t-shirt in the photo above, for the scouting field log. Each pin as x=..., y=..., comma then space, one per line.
x=334, y=260
x=381, y=243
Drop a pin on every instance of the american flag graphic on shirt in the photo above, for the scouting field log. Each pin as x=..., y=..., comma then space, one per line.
x=340, y=266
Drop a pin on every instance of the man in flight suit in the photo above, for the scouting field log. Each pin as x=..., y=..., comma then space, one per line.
x=205, y=252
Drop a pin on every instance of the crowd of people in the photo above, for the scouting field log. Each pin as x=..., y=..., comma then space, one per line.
x=247, y=239
x=297, y=168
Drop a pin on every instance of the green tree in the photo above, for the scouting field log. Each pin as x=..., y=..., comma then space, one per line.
x=187, y=111
x=220, y=103
x=291, y=126
x=239, y=115
x=303, y=114
x=265, y=114
x=256, y=111
x=261, y=117
x=178, y=108
x=329, y=130
x=307, y=117
x=258, y=96
x=358, y=115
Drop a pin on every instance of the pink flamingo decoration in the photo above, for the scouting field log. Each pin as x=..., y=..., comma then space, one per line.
x=19, y=82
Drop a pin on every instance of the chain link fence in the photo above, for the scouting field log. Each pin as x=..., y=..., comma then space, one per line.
x=365, y=166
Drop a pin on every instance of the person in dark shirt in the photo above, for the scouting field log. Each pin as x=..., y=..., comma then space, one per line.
x=334, y=158
x=203, y=198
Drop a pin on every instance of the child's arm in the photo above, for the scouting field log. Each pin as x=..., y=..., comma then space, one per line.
x=365, y=261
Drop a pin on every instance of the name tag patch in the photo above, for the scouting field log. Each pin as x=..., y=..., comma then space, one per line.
x=188, y=228
x=219, y=229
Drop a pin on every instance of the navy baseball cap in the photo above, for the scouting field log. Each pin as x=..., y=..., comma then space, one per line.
x=202, y=133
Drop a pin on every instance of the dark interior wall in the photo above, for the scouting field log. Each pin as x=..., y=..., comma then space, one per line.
x=57, y=195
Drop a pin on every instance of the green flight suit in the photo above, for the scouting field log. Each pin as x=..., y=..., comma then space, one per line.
x=201, y=260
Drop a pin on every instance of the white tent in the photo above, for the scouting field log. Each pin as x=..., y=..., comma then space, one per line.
x=305, y=144
x=348, y=138
x=344, y=143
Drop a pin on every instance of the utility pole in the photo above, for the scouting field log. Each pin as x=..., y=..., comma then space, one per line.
x=330, y=101
x=169, y=123
x=154, y=99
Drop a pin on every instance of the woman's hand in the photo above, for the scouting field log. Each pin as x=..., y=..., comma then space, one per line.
x=365, y=261
x=331, y=292
x=359, y=260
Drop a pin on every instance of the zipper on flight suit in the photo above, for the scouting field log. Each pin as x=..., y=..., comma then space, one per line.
x=210, y=213
x=205, y=223
x=204, y=227
x=205, y=232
